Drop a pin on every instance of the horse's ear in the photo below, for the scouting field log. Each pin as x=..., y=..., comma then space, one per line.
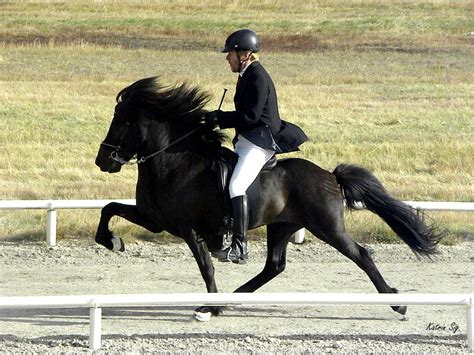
x=121, y=94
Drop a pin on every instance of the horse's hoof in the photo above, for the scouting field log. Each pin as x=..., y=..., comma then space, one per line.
x=400, y=309
x=117, y=244
x=202, y=316
x=204, y=313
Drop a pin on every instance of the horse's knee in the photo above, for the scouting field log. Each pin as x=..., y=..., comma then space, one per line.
x=109, y=209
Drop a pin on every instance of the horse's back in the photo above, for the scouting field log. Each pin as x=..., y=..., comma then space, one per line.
x=301, y=165
x=302, y=174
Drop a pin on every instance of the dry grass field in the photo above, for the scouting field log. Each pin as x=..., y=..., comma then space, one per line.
x=381, y=84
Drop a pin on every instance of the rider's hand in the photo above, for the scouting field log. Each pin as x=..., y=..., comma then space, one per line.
x=211, y=118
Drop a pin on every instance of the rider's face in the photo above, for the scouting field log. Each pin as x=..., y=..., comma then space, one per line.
x=238, y=60
x=233, y=60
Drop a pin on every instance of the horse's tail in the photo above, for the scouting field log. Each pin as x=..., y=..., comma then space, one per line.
x=359, y=185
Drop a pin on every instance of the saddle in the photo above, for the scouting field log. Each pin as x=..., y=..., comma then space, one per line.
x=225, y=164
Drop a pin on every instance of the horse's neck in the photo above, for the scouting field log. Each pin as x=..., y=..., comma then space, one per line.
x=177, y=164
x=166, y=169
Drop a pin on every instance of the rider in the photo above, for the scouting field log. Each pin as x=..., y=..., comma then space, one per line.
x=260, y=133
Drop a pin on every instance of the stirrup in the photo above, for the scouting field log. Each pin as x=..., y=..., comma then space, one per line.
x=229, y=254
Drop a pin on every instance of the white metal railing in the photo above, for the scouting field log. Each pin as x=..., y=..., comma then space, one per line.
x=96, y=302
x=52, y=205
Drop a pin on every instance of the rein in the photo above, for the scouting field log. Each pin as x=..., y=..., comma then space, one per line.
x=114, y=154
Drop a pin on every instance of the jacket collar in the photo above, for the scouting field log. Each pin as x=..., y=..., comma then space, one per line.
x=253, y=64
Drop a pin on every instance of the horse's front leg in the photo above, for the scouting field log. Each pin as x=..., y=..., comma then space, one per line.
x=129, y=212
x=203, y=258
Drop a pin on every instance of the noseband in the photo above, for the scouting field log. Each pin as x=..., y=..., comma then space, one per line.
x=114, y=155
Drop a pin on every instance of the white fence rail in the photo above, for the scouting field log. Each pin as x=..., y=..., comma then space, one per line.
x=52, y=205
x=96, y=302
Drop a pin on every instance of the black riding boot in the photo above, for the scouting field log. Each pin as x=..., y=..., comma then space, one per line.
x=237, y=252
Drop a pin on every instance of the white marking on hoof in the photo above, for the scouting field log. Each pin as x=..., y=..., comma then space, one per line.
x=117, y=244
x=202, y=317
x=404, y=318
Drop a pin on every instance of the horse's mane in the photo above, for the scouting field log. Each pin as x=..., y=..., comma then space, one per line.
x=181, y=104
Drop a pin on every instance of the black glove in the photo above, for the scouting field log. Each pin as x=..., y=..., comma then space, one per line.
x=211, y=118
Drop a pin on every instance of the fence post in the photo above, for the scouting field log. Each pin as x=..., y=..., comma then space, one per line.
x=469, y=324
x=51, y=227
x=298, y=237
x=95, y=337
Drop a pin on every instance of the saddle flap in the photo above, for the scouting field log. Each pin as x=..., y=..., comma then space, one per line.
x=226, y=160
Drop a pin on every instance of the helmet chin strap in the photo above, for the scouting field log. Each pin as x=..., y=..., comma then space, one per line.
x=240, y=65
x=241, y=62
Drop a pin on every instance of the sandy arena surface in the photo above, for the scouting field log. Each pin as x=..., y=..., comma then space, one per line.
x=81, y=267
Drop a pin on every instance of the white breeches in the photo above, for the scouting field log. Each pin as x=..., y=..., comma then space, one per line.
x=251, y=160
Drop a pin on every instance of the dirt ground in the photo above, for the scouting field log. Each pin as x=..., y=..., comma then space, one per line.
x=81, y=267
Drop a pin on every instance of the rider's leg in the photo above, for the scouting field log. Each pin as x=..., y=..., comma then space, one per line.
x=237, y=252
x=251, y=160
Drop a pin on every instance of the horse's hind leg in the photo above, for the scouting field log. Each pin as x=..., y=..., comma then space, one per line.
x=278, y=236
x=129, y=212
x=332, y=231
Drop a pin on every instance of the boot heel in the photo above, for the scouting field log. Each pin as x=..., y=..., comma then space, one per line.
x=240, y=261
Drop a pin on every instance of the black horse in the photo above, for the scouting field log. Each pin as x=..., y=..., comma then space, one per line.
x=163, y=131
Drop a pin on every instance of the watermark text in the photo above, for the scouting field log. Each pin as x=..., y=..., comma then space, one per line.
x=451, y=327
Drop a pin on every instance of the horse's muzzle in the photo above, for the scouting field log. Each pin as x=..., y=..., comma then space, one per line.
x=107, y=164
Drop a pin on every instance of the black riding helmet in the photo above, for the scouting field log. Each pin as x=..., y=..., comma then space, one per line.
x=242, y=40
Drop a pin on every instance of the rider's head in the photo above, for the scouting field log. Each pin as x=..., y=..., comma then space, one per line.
x=241, y=47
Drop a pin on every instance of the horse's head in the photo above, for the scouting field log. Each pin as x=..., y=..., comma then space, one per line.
x=120, y=144
x=149, y=118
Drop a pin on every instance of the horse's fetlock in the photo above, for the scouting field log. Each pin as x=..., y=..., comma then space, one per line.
x=275, y=270
x=104, y=237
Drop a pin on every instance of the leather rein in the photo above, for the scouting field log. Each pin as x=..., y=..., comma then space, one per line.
x=114, y=155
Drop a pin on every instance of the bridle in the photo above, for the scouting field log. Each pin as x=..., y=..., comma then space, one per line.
x=114, y=155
